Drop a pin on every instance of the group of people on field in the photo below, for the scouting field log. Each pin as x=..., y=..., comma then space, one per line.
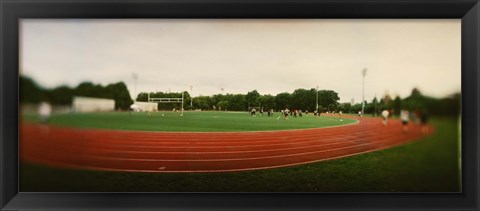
x=419, y=117
x=253, y=112
x=293, y=113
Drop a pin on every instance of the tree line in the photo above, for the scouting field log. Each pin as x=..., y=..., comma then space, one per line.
x=31, y=92
x=305, y=99
x=300, y=99
x=450, y=105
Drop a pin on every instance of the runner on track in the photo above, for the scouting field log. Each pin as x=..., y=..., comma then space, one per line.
x=404, y=116
x=385, y=115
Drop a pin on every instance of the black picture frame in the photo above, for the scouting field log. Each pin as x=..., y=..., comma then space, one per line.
x=13, y=10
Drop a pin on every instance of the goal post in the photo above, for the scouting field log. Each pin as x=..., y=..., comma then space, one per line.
x=167, y=100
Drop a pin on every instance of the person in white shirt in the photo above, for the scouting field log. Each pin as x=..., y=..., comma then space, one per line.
x=404, y=117
x=385, y=115
x=285, y=112
x=44, y=110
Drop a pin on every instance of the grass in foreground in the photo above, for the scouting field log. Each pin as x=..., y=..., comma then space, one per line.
x=427, y=165
x=204, y=121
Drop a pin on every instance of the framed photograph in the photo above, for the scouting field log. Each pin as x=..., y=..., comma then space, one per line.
x=239, y=105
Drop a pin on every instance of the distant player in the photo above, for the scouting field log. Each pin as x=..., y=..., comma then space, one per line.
x=261, y=111
x=300, y=113
x=404, y=116
x=253, y=112
x=340, y=115
x=44, y=110
x=285, y=113
x=385, y=115
x=424, y=121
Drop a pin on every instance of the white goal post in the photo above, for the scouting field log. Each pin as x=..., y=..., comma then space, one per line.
x=167, y=100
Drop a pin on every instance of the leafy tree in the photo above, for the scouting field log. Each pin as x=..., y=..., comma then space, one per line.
x=62, y=95
x=222, y=105
x=120, y=94
x=397, y=105
x=252, y=98
x=237, y=102
x=282, y=101
x=304, y=99
x=203, y=102
x=30, y=91
x=328, y=99
x=267, y=101
x=356, y=108
x=345, y=107
x=86, y=89
x=372, y=108
x=143, y=97
x=450, y=105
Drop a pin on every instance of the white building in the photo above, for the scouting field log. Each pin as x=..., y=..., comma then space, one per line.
x=90, y=104
x=146, y=106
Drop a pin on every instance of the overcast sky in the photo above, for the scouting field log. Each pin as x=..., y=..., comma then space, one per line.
x=271, y=56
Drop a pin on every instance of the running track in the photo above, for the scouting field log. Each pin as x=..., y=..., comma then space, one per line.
x=137, y=151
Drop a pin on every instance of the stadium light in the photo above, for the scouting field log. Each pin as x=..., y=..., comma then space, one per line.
x=135, y=78
x=317, y=99
x=191, y=90
x=182, y=102
x=352, y=101
x=364, y=73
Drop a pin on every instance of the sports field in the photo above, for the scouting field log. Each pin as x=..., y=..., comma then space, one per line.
x=193, y=121
x=117, y=149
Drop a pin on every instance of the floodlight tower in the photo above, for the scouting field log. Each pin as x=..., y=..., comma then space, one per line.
x=317, y=99
x=364, y=73
x=191, y=90
x=352, y=101
x=135, y=78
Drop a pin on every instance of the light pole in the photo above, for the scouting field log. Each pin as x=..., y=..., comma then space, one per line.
x=364, y=73
x=135, y=78
x=191, y=97
x=352, y=101
x=317, y=99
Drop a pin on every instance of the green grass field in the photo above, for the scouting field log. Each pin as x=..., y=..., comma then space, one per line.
x=208, y=121
x=428, y=165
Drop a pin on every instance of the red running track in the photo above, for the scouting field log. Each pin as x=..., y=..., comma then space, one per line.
x=139, y=151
